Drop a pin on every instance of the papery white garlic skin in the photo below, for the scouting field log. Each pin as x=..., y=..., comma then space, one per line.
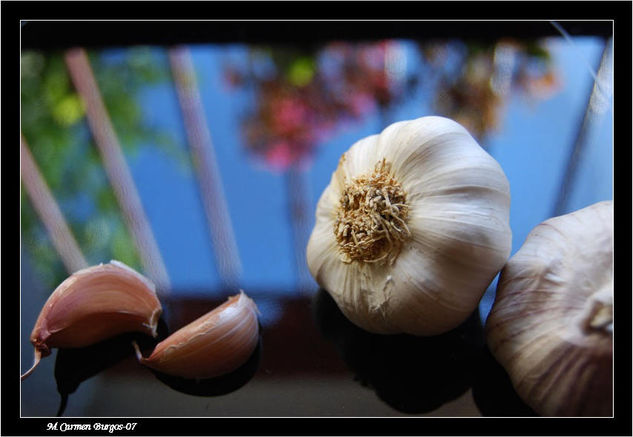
x=94, y=304
x=449, y=231
x=551, y=326
x=213, y=345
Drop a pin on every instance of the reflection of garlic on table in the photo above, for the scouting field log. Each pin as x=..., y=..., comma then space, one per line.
x=92, y=305
x=215, y=344
x=412, y=228
x=551, y=326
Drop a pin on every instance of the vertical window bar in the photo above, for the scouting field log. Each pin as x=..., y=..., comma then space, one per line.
x=116, y=168
x=297, y=194
x=600, y=93
x=206, y=167
x=49, y=212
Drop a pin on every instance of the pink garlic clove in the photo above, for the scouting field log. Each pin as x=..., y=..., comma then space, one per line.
x=92, y=305
x=215, y=344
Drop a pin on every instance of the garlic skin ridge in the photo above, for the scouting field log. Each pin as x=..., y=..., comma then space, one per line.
x=212, y=345
x=446, y=237
x=94, y=304
x=551, y=325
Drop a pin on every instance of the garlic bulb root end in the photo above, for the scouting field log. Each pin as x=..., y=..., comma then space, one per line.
x=371, y=223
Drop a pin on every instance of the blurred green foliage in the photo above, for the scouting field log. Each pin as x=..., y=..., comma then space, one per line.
x=54, y=125
x=302, y=71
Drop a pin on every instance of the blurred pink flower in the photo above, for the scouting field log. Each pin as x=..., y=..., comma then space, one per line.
x=288, y=115
x=361, y=103
x=279, y=155
x=283, y=154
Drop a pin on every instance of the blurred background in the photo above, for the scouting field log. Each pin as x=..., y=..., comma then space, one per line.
x=200, y=165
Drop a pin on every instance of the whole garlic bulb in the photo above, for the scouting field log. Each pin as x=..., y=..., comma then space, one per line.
x=412, y=228
x=551, y=325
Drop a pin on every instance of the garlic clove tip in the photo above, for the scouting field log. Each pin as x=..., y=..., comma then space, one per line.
x=36, y=360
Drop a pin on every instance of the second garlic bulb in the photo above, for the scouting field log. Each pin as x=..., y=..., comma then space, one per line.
x=551, y=326
x=412, y=228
